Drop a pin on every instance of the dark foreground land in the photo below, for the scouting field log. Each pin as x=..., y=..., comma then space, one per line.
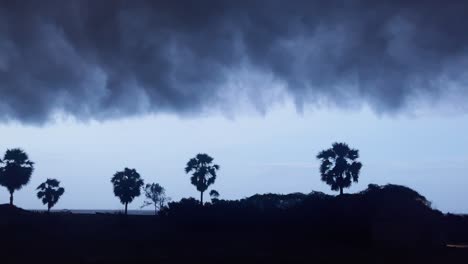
x=384, y=224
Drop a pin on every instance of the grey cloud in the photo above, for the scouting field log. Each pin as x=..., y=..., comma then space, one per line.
x=107, y=59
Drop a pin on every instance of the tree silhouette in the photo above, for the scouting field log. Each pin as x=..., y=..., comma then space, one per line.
x=203, y=172
x=155, y=195
x=50, y=192
x=339, y=166
x=16, y=170
x=214, y=195
x=127, y=185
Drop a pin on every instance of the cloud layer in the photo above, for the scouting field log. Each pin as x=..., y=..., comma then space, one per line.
x=107, y=59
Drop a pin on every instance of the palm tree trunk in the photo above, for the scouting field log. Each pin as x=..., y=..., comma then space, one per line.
x=48, y=209
x=341, y=190
x=201, y=198
x=126, y=204
x=11, y=198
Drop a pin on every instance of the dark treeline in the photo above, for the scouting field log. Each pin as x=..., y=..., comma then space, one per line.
x=384, y=224
x=390, y=223
x=386, y=214
x=339, y=168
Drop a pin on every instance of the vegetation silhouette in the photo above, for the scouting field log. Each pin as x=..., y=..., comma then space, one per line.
x=155, y=195
x=50, y=192
x=299, y=227
x=391, y=223
x=214, y=195
x=127, y=186
x=339, y=166
x=203, y=172
x=389, y=214
x=16, y=170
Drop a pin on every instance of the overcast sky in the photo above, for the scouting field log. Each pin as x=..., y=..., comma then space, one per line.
x=90, y=87
x=258, y=154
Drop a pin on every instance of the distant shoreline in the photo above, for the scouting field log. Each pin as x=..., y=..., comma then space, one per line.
x=96, y=211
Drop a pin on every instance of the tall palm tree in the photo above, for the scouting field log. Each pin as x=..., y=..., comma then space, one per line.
x=127, y=185
x=50, y=192
x=16, y=170
x=203, y=172
x=339, y=166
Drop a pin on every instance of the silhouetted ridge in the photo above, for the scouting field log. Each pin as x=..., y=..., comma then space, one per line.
x=7, y=210
x=384, y=214
x=395, y=193
x=375, y=224
x=456, y=228
x=275, y=201
x=388, y=197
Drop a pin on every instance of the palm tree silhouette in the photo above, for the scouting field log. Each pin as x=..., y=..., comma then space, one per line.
x=127, y=185
x=203, y=172
x=214, y=194
x=50, y=192
x=339, y=166
x=16, y=170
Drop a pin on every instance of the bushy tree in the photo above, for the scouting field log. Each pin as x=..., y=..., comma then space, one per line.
x=127, y=185
x=203, y=172
x=50, y=192
x=155, y=195
x=339, y=166
x=16, y=170
x=214, y=195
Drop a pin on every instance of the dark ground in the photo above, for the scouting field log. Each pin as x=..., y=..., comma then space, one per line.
x=381, y=225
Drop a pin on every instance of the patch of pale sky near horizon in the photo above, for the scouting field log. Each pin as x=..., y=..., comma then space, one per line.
x=274, y=153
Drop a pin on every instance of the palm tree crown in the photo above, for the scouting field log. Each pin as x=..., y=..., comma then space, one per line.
x=339, y=166
x=16, y=170
x=50, y=192
x=203, y=172
x=127, y=185
x=214, y=194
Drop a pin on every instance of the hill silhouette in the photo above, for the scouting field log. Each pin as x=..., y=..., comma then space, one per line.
x=381, y=214
x=391, y=223
x=11, y=210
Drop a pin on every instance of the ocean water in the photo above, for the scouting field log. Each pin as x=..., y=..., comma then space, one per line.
x=81, y=211
x=130, y=212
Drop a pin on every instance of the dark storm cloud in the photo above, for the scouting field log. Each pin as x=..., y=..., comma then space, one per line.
x=103, y=59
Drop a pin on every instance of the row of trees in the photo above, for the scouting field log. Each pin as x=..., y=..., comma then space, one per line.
x=15, y=172
x=339, y=168
x=128, y=183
